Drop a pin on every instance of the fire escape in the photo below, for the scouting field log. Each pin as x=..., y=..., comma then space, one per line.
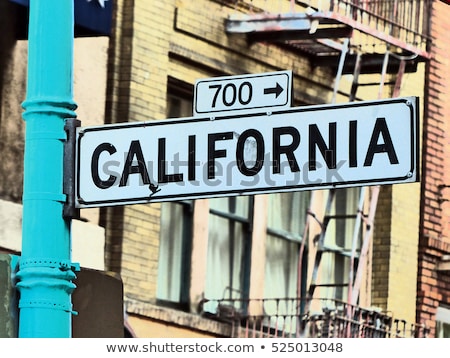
x=349, y=37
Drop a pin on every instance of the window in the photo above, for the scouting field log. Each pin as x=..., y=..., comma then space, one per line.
x=229, y=245
x=174, y=253
x=443, y=322
x=338, y=244
x=286, y=220
x=285, y=225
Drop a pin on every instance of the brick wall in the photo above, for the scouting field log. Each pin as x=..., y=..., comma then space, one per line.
x=137, y=92
x=381, y=248
x=395, y=241
x=433, y=286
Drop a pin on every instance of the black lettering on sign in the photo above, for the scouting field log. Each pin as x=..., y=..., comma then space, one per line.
x=214, y=153
x=191, y=158
x=99, y=183
x=316, y=141
x=352, y=145
x=287, y=150
x=163, y=177
x=134, y=151
x=387, y=146
x=243, y=168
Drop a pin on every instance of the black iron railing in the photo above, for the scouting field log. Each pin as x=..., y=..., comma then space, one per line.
x=328, y=318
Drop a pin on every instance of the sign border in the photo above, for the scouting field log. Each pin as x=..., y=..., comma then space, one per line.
x=411, y=102
x=257, y=109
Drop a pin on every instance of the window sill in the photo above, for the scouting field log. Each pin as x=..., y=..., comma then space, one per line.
x=176, y=318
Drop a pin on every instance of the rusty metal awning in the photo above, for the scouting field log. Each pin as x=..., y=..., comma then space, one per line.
x=320, y=35
x=285, y=27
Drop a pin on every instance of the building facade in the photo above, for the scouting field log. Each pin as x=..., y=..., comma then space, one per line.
x=258, y=265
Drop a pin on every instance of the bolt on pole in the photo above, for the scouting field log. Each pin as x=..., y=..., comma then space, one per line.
x=45, y=272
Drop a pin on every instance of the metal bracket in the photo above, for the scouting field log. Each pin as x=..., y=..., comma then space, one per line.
x=440, y=198
x=69, y=211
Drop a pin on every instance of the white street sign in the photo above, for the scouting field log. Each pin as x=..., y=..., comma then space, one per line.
x=303, y=148
x=225, y=95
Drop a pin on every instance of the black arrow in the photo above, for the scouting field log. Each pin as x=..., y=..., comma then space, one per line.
x=277, y=90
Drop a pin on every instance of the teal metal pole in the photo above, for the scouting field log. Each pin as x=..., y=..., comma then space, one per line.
x=45, y=270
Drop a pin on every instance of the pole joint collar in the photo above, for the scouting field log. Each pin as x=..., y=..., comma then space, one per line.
x=46, y=276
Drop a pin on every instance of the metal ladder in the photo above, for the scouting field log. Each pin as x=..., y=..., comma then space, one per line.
x=368, y=199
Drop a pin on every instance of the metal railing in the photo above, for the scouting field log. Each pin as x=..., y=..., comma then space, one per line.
x=328, y=318
x=407, y=20
x=402, y=23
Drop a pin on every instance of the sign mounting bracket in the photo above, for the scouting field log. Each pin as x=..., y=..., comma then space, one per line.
x=69, y=210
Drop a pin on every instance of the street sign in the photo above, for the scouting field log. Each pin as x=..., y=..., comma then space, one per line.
x=303, y=148
x=229, y=94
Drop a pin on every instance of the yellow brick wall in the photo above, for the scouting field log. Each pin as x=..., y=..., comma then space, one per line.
x=152, y=26
x=405, y=224
x=381, y=248
x=140, y=251
x=200, y=48
x=403, y=254
x=396, y=235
